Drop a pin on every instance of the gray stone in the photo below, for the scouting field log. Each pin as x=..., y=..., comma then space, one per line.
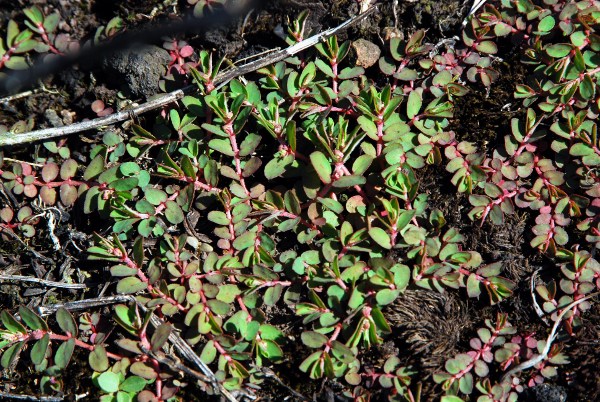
x=140, y=67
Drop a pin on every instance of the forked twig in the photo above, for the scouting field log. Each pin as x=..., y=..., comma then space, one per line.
x=220, y=80
x=551, y=338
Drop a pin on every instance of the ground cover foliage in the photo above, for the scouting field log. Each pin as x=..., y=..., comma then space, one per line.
x=412, y=230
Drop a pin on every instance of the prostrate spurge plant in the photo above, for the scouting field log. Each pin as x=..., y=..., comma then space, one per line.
x=307, y=182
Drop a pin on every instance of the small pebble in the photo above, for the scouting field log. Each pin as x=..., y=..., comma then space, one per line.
x=367, y=53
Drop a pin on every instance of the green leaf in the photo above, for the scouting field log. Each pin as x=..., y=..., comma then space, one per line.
x=414, y=104
x=66, y=322
x=31, y=319
x=129, y=168
x=277, y=166
x=218, y=217
x=155, y=196
x=487, y=46
x=11, y=324
x=558, y=50
x=322, y=166
x=292, y=204
x=386, y=296
x=581, y=149
x=228, y=293
x=68, y=169
x=314, y=339
x=221, y=145
x=133, y=384
x=38, y=351
x=64, y=353
x=349, y=181
x=143, y=370
x=361, y=164
x=131, y=285
x=98, y=359
x=324, y=68
x=10, y=354
x=451, y=398
x=249, y=144
x=244, y=241
x=124, y=184
x=381, y=237
x=160, y=336
x=546, y=24
x=122, y=270
x=173, y=212
x=108, y=382
x=332, y=204
x=368, y=127
x=351, y=72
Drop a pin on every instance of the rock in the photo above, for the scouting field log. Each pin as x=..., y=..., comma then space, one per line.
x=545, y=393
x=53, y=119
x=367, y=53
x=140, y=68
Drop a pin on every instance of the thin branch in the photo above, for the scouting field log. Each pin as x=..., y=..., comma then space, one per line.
x=551, y=338
x=43, y=282
x=536, y=306
x=8, y=395
x=220, y=80
x=82, y=304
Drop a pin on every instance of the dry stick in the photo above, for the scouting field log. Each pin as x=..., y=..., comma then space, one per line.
x=82, y=304
x=220, y=80
x=551, y=338
x=536, y=306
x=20, y=397
x=43, y=282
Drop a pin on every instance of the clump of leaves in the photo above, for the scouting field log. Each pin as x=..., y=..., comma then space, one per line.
x=313, y=154
x=39, y=35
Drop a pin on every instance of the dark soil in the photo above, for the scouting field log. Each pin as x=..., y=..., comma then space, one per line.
x=428, y=327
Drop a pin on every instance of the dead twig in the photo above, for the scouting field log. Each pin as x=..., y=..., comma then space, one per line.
x=82, y=304
x=43, y=282
x=8, y=395
x=536, y=306
x=221, y=79
x=551, y=338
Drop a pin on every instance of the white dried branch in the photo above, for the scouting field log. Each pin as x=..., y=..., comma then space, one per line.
x=551, y=338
